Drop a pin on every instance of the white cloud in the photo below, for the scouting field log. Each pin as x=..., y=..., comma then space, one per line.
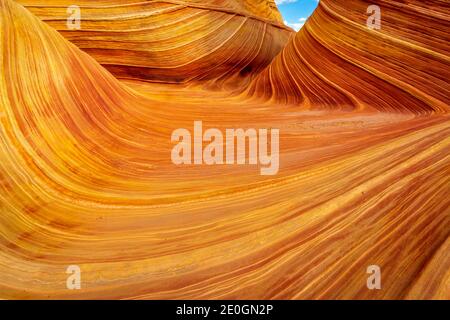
x=296, y=25
x=278, y=2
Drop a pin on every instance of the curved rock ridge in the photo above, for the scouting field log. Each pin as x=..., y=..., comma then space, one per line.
x=336, y=61
x=265, y=9
x=86, y=180
x=174, y=41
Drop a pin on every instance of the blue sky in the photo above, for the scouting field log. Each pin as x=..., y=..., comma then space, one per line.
x=295, y=12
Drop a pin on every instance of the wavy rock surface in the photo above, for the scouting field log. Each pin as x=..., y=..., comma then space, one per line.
x=86, y=177
x=174, y=41
x=335, y=61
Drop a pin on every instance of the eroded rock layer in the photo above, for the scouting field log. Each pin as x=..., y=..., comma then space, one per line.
x=336, y=61
x=86, y=177
x=174, y=41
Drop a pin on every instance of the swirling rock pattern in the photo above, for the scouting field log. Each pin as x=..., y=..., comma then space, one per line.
x=336, y=61
x=174, y=41
x=86, y=177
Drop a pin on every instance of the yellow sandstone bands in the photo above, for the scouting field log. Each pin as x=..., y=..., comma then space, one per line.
x=174, y=41
x=86, y=177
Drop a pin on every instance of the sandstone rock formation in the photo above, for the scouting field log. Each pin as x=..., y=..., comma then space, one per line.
x=86, y=177
x=174, y=41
